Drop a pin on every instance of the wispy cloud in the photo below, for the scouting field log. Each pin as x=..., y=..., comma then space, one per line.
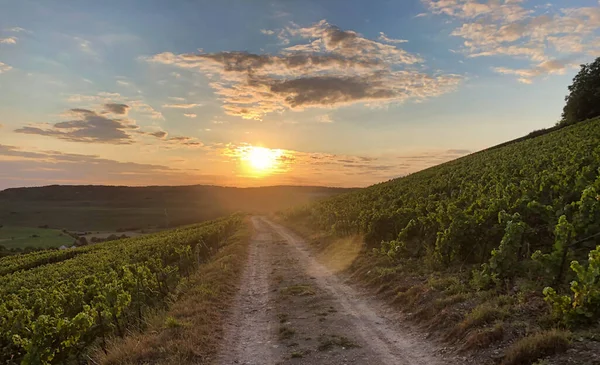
x=85, y=46
x=384, y=38
x=4, y=67
x=18, y=30
x=337, y=67
x=103, y=98
x=190, y=115
x=8, y=40
x=325, y=118
x=181, y=106
x=544, y=36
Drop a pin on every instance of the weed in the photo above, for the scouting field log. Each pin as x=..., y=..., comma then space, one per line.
x=327, y=342
x=480, y=315
x=484, y=338
x=450, y=285
x=531, y=348
x=442, y=303
x=283, y=317
x=286, y=332
x=298, y=290
x=410, y=297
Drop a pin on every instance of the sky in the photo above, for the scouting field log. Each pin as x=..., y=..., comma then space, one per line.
x=251, y=93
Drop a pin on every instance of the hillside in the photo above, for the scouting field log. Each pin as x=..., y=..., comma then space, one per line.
x=469, y=246
x=112, y=208
x=59, y=307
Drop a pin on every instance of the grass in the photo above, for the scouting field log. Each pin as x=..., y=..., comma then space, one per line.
x=189, y=331
x=480, y=315
x=21, y=237
x=531, y=348
x=298, y=290
x=484, y=338
x=286, y=332
x=327, y=342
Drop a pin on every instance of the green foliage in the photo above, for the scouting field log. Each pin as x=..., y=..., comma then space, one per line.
x=583, y=101
x=448, y=214
x=56, y=303
x=584, y=304
x=504, y=263
x=550, y=264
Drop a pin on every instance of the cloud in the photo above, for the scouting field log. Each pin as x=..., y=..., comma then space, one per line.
x=267, y=31
x=181, y=106
x=182, y=141
x=102, y=98
x=341, y=170
x=85, y=46
x=325, y=118
x=19, y=167
x=540, y=35
x=384, y=38
x=121, y=109
x=88, y=127
x=158, y=134
x=335, y=68
x=4, y=67
x=190, y=115
x=544, y=68
x=9, y=40
x=18, y=30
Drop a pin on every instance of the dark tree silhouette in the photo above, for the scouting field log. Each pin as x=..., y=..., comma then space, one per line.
x=583, y=101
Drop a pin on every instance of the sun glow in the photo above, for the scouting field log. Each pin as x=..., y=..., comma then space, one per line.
x=262, y=160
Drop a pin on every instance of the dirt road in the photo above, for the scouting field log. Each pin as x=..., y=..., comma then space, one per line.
x=293, y=310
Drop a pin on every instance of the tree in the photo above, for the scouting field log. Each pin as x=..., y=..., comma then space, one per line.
x=583, y=101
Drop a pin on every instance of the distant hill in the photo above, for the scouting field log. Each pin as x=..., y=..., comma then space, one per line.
x=93, y=207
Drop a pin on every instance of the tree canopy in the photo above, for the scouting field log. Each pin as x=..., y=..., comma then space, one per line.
x=583, y=101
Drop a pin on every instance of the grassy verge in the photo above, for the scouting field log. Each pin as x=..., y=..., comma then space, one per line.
x=510, y=326
x=13, y=237
x=190, y=330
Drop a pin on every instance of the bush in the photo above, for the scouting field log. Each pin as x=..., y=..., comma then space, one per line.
x=584, y=305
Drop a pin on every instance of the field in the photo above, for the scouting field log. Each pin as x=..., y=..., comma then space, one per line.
x=112, y=208
x=57, y=304
x=21, y=237
x=492, y=247
x=117, y=210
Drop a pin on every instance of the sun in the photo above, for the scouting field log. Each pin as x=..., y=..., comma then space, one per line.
x=262, y=159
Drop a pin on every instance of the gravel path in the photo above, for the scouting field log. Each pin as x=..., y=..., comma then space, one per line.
x=293, y=310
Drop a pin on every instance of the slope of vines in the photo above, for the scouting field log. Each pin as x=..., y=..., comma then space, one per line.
x=459, y=211
x=55, y=304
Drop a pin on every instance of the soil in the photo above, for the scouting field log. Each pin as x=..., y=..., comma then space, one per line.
x=293, y=310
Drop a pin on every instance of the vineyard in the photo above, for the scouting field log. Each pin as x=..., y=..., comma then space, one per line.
x=523, y=215
x=56, y=304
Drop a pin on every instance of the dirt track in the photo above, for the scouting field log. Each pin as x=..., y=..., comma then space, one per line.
x=293, y=310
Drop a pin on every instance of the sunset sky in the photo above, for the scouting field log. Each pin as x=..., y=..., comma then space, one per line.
x=250, y=93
